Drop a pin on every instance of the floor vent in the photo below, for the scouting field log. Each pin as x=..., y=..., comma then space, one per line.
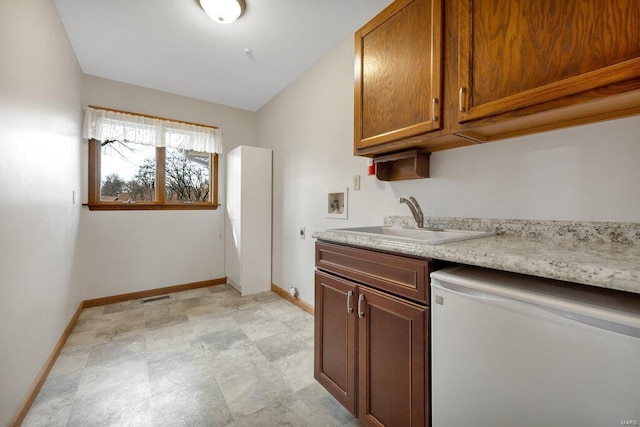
x=153, y=299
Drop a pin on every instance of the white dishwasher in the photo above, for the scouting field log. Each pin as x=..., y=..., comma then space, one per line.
x=510, y=350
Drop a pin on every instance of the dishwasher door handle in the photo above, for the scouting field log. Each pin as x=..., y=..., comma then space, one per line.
x=360, y=302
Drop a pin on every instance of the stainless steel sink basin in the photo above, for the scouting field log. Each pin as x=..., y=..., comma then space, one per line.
x=423, y=235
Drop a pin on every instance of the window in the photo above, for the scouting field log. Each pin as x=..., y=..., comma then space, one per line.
x=140, y=162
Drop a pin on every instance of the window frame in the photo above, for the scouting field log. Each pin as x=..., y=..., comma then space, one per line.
x=94, y=202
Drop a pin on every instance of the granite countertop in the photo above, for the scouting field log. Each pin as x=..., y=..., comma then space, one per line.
x=605, y=255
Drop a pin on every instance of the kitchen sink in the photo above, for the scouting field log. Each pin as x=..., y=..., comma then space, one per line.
x=430, y=236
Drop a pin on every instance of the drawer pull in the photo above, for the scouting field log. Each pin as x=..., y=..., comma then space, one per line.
x=349, y=308
x=360, y=301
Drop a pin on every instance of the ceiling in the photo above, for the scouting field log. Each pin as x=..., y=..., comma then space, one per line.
x=173, y=46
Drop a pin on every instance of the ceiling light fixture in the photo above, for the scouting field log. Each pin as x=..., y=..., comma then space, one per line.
x=223, y=11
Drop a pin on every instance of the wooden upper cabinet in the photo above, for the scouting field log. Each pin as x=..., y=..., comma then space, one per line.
x=398, y=67
x=515, y=54
x=432, y=75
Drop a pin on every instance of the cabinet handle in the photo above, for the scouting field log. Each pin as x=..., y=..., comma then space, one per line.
x=349, y=308
x=360, y=301
x=434, y=105
x=462, y=91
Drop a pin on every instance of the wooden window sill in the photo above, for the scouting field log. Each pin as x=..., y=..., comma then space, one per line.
x=149, y=206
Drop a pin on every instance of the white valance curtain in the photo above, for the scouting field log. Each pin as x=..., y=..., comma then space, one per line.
x=106, y=125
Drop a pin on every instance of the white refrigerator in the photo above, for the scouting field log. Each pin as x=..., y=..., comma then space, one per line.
x=248, y=226
x=515, y=351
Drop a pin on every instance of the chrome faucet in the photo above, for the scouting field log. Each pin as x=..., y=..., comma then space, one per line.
x=415, y=210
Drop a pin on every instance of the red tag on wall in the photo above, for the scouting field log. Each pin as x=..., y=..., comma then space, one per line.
x=371, y=170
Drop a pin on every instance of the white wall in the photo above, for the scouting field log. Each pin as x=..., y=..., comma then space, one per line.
x=122, y=252
x=40, y=112
x=583, y=173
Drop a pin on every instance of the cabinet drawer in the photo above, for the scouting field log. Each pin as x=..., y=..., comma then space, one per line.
x=402, y=276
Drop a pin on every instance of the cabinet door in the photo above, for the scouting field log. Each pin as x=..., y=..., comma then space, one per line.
x=393, y=361
x=521, y=53
x=335, y=338
x=398, y=65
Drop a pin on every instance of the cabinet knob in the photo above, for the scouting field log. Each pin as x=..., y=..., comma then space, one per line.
x=349, y=308
x=360, y=301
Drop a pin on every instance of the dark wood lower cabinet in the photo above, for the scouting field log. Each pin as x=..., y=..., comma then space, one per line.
x=393, y=368
x=372, y=348
x=335, y=338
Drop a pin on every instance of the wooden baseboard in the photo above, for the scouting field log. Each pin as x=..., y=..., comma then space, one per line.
x=296, y=301
x=31, y=395
x=153, y=292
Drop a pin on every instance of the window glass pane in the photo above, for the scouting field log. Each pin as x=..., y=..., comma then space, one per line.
x=187, y=176
x=128, y=172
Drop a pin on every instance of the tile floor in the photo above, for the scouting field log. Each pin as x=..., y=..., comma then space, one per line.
x=205, y=357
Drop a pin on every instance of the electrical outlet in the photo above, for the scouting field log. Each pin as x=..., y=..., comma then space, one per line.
x=356, y=182
x=302, y=233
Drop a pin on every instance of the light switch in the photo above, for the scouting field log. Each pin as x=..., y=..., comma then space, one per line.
x=356, y=182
